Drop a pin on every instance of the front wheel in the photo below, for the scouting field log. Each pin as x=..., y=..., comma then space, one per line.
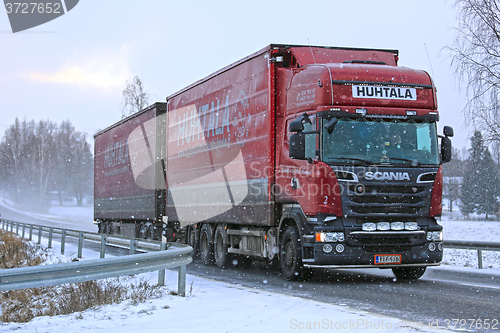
x=408, y=273
x=291, y=256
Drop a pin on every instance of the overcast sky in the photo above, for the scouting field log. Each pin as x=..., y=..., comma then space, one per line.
x=76, y=66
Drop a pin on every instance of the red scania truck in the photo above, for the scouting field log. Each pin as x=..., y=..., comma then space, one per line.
x=309, y=156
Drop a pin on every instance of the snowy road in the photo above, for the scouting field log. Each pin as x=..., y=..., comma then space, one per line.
x=441, y=294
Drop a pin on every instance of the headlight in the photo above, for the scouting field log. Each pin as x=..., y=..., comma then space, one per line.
x=330, y=237
x=435, y=236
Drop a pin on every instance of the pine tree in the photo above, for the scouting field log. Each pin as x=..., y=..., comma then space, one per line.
x=489, y=185
x=481, y=185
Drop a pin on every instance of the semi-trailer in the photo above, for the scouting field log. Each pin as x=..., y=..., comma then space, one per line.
x=307, y=156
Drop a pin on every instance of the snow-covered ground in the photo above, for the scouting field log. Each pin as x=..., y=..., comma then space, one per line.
x=212, y=306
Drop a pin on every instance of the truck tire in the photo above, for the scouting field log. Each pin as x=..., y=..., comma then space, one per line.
x=142, y=231
x=291, y=256
x=408, y=273
x=193, y=239
x=207, y=244
x=220, y=246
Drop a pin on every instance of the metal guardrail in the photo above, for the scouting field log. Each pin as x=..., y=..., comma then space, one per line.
x=473, y=245
x=177, y=255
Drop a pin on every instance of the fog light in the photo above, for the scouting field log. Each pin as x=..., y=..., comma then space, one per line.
x=383, y=226
x=369, y=226
x=412, y=226
x=327, y=248
x=397, y=226
x=440, y=247
x=432, y=247
x=339, y=248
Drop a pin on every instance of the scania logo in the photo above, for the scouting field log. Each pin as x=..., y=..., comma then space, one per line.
x=387, y=175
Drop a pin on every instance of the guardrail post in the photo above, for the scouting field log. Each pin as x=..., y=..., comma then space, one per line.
x=133, y=243
x=181, y=288
x=103, y=245
x=51, y=231
x=161, y=272
x=63, y=240
x=39, y=234
x=480, y=259
x=31, y=232
x=17, y=228
x=22, y=232
x=80, y=244
x=12, y=227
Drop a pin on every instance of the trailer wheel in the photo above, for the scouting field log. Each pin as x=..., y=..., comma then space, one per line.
x=207, y=244
x=193, y=239
x=220, y=246
x=143, y=231
x=408, y=273
x=150, y=232
x=291, y=256
x=110, y=229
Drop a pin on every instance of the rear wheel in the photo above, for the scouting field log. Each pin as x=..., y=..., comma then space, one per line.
x=408, y=273
x=291, y=256
x=207, y=244
x=193, y=239
x=220, y=246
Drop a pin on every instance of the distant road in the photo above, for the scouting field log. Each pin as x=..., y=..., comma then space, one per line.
x=63, y=222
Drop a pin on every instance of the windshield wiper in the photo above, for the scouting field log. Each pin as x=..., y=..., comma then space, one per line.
x=414, y=163
x=353, y=159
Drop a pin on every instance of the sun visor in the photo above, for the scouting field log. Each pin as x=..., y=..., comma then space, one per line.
x=307, y=55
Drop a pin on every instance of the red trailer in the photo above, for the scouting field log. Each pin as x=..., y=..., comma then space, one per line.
x=310, y=156
x=129, y=179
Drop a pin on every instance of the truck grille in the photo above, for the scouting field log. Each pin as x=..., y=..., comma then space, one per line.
x=403, y=200
x=388, y=238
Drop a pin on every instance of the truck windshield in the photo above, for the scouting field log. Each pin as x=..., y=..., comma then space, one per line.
x=396, y=142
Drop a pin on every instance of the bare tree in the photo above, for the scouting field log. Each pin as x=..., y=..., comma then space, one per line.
x=135, y=98
x=39, y=158
x=476, y=59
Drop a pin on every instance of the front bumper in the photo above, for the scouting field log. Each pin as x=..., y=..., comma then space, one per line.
x=362, y=257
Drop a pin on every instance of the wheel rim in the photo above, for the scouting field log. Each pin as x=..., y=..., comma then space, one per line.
x=289, y=255
x=204, y=245
x=220, y=247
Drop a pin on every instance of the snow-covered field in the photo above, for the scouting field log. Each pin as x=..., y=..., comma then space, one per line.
x=212, y=306
x=455, y=227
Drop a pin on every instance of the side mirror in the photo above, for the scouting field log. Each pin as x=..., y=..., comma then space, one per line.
x=446, y=149
x=448, y=131
x=298, y=146
x=296, y=125
x=330, y=125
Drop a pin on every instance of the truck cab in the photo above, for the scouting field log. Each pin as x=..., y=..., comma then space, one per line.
x=359, y=176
